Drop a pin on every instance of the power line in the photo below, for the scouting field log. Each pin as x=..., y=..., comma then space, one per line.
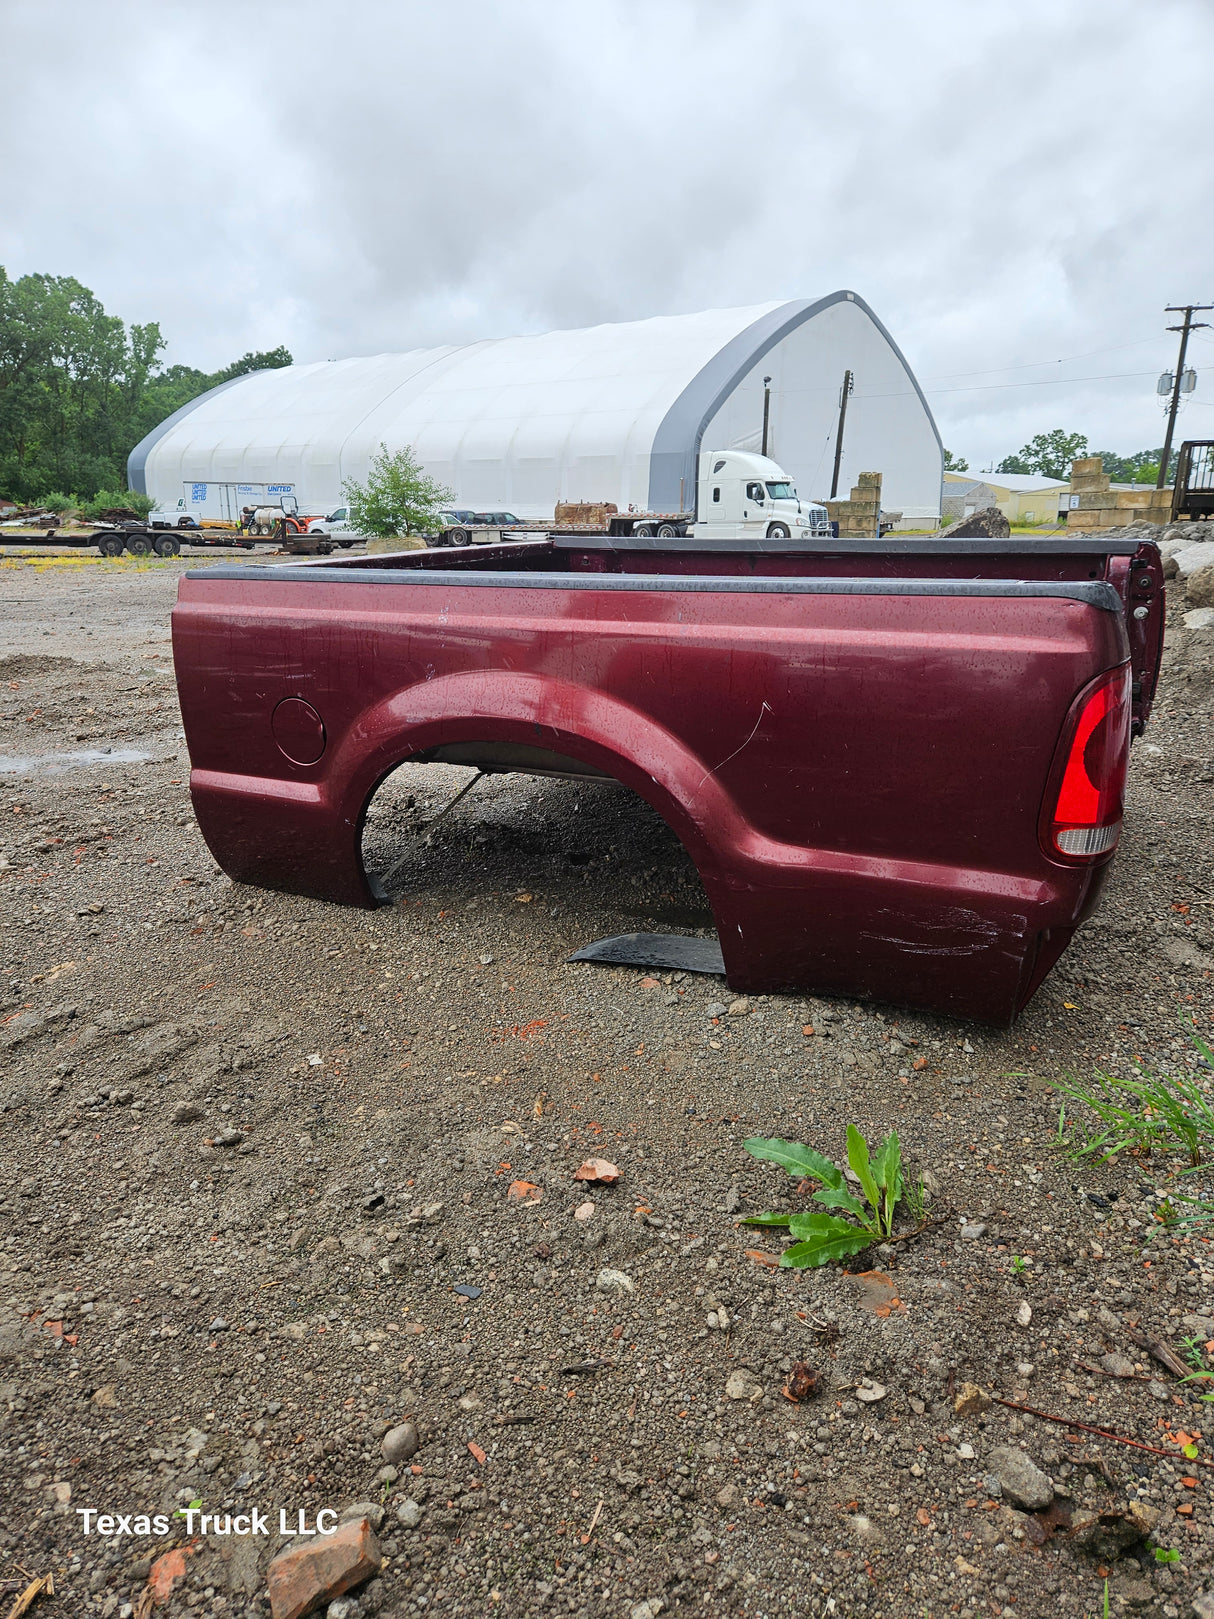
x=1029, y=365
x=990, y=387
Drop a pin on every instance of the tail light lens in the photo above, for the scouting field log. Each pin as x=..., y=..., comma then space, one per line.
x=1087, y=790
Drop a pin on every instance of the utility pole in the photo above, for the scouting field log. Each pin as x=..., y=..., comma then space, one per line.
x=845, y=391
x=1189, y=325
x=766, y=409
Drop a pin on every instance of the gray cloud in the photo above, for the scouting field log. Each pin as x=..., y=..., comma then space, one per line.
x=1008, y=183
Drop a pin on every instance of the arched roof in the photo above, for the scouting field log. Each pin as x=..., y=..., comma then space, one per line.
x=611, y=411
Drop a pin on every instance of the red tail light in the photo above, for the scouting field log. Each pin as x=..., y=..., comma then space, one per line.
x=1087, y=784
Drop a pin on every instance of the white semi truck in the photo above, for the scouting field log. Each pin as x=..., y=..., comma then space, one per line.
x=739, y=495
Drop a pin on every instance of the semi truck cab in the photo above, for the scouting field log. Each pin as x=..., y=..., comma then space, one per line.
x=742, y=495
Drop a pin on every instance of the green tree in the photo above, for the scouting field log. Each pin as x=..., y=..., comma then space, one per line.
x=954, y=463
x=397, y=498
x=267, y=360
x=1140, y=467
x=1049, y=455
x=79, y=388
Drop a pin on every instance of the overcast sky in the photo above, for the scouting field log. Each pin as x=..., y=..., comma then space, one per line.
x=1009, y=185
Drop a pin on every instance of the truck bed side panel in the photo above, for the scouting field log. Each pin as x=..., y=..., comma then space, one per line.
x=858, y=775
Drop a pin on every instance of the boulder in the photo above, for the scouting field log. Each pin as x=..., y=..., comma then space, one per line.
x=1199, y=587
x=988, y=524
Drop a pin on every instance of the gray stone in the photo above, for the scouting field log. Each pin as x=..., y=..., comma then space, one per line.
x=1117, y=1365
x=1021, y=1480
x=371, y=1510
x=409, y=1513
x=742, y=1384
x=186, y=1113
x=972, y=1231
x=1199, y=587
x=1203, y=1605
x=400, y=1443
x=715, y=1009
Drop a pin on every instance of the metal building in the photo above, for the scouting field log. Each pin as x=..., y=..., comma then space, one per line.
x=614, y=412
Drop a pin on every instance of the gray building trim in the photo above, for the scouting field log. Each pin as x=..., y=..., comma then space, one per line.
x=137, y=461
x=676, y=445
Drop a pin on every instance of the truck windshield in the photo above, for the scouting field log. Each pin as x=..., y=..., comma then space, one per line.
x=781, y=491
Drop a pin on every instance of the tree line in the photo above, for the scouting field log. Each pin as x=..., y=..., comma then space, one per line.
x=79, y=389
x=1049, y=455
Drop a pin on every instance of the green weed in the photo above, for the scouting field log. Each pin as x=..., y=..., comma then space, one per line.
x=820, y=1238
x=1143, y=1113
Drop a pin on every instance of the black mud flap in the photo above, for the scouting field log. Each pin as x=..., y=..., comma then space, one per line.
x=670, y=951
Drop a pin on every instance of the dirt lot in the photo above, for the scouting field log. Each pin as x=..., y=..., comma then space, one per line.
x=251, y=1146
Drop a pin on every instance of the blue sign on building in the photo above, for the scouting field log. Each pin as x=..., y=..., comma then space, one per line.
x=198, y=494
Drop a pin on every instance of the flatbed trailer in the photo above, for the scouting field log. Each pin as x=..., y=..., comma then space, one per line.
x=137, y=539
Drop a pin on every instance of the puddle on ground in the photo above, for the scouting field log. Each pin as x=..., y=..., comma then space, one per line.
x=55, y=764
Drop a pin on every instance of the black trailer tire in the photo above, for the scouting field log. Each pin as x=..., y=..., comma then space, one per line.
x=167, y=545
x=668, y=531
x=111, y=545
x=643, y=529
x=139, y=545
x=778, y=531
x=458, y=536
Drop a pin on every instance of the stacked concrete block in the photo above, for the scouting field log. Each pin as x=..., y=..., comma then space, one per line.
x=1093, y=503
x=859, y=518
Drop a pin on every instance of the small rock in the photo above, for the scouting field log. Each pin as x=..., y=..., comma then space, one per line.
x=1021, y=1479
x=486, y=960
x=1024, y=1314
x=1203, y=1605
x=966, y=1452
x=399, y=1444
x=972, y=1230
x=1158, y=1390
x=714, y=1009
x=218, y=1325
x=228, y=1137
x=186, y=1113
x=863, y=1528
x=306, y=1576
x=727, y=1495
x=409, y=1513
x=583, y=1211
x=742, y=1384
x=991, y=1484
x=614, y=1281
x=971, y=1401
x=343, y=1608
x=1108, y=1320
x=1117, y=1365
x=648, y=1610
x=871, y=1392
x=740, y=1008
x=371, y=1510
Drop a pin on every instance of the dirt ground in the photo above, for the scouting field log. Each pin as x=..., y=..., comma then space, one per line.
x=256, y=1162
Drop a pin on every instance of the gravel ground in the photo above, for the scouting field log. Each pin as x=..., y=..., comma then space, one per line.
x=256, y=1163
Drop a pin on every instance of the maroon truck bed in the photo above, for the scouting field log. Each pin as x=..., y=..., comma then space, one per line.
x=867, y=750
